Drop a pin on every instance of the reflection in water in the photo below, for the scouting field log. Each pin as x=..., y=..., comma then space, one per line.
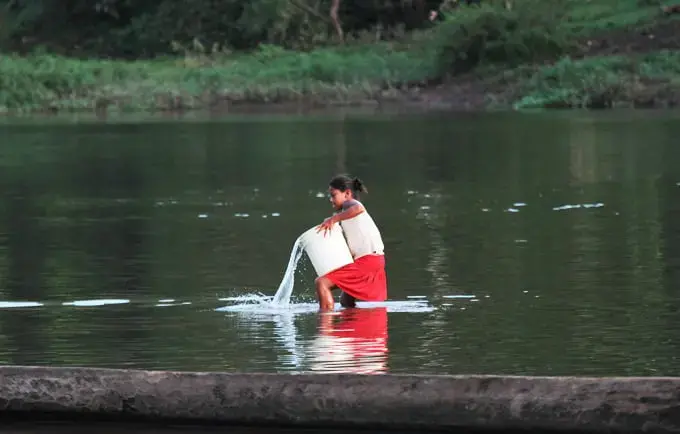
x=286, y=335
x=353, y=340
x=431, y=215
x=348, y=340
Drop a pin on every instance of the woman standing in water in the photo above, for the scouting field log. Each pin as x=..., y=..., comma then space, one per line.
x=365, y=278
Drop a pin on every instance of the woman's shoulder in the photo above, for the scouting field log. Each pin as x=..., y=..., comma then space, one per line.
x=350, y=203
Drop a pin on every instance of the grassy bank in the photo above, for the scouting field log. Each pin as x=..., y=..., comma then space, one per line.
x=563, y=53
x=649, y=80
x=47, y=82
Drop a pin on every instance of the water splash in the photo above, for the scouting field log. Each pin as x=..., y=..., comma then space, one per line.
x=282, y=296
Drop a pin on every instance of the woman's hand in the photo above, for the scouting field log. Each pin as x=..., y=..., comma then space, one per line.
x=325, y=226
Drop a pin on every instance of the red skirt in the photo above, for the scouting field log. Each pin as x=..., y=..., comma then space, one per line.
x=363, y=279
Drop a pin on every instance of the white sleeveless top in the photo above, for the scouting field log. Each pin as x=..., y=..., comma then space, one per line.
x=362, y=234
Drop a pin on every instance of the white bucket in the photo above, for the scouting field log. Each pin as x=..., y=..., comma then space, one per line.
x=328, y=252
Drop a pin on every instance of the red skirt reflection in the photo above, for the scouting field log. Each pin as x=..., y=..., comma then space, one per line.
x=351, y=341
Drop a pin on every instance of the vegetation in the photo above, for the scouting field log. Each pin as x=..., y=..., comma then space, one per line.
x=48, y=82
x=127, y=55
x=604, y=82
x=136, y=28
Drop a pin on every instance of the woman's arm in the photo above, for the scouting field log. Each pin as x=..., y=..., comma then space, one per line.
x=352, y=211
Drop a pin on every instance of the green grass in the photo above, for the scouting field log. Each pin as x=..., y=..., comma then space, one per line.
x=507, y=49
x=603, y=82
x=485, y=39
x=587, y=17
x=43, y=81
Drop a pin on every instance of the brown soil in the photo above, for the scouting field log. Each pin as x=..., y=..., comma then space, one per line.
x=662, y=35
x=470, y=92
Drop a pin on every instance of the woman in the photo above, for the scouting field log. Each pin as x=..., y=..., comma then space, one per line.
x=365, y=278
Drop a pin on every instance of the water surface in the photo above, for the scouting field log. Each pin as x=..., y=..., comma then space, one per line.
x=516, y=244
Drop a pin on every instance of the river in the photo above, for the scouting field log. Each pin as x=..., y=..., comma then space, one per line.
x=538, y=244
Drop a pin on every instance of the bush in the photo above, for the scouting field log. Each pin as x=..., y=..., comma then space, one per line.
x=491, y=34
x=133, y=29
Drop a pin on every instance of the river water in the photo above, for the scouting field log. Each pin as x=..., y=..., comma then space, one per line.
x=541, y=244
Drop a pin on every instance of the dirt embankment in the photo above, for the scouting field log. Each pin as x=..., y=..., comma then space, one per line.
x=663, y=35
x=472, y=92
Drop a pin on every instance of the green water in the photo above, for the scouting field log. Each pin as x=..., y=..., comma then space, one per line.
x=170, y=219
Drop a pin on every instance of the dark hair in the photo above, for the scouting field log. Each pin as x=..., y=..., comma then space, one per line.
x=344, y=183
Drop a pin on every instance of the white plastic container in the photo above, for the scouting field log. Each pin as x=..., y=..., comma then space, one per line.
x=327, y=253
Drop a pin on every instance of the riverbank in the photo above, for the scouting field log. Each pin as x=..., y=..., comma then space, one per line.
x=355, y=75
x=390, y=402
x=627, y=68
x=604, y=56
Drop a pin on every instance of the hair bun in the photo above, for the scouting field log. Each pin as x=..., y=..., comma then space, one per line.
x=358, y=185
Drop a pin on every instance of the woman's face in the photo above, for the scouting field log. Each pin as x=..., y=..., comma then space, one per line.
x=338, y=198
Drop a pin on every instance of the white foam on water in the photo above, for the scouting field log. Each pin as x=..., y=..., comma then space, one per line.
x=259, y=297
x=459, y=296
x=417, y=306
x=90, y=303
x=264, y=308
x=264, y=304
x=283, y=293
x=19, y=304
x=578, y=205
